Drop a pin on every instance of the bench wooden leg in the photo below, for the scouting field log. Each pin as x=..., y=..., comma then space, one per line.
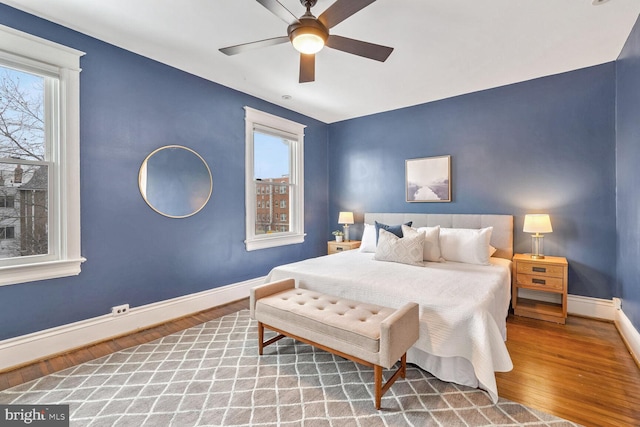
x=377, y=375
x=380, y=390
x=260, y=338
x=261, y=343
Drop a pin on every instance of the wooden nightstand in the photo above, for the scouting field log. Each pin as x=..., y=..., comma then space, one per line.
x=334, y=247
x=545, y=275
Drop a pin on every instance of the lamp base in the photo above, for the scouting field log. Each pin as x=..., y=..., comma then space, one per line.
x=345, y=229
x=537, y=246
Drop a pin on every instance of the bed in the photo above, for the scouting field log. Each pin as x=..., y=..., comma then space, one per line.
x=463, y=306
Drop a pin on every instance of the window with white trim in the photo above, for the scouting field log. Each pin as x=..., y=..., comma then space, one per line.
x=274, y=161
x=39, y=158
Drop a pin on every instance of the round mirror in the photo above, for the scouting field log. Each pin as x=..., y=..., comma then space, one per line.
x=175, y=181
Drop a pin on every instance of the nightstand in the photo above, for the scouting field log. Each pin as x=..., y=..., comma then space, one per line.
x=544, y=275
x=334, y=247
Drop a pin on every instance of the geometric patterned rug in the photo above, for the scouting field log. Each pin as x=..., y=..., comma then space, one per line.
x=211, y=375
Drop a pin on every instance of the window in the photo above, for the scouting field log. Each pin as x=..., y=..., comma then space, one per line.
x=39, y=158
x=6, y=201
x=275, y=160
x=7, y=233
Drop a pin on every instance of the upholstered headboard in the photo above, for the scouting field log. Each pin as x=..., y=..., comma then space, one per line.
x=501, y=237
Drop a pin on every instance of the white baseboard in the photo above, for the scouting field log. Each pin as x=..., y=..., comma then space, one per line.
x=591, y=307
x=38, y=345
x=582, y=306
x=629, y=334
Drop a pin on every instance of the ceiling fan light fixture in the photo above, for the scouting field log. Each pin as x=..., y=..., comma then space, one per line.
x=308, y=39
x=308, y=43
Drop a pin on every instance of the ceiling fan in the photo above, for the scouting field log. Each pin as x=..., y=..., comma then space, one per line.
x=309, y=34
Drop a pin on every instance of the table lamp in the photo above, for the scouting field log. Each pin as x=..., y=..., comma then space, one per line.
x=345, y=218
x=537, y=223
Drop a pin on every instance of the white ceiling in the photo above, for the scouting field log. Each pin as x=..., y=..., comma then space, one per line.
x=443, y=48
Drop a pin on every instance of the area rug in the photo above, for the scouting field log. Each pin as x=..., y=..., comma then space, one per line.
x=211, y=375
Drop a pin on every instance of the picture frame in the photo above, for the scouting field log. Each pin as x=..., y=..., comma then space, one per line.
x=428, y=179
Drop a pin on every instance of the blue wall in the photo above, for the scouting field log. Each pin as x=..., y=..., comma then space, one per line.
x=131, y=105
x=546, y=145
x=628, y=179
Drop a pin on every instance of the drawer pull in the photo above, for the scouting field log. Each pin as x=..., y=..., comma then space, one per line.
x=339, y=249
x=539, y=269
x=539, y=281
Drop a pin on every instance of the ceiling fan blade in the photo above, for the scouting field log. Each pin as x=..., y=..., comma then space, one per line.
x=341, y=10
x=279, y=10
x=360, y=48
x=234, y=50
x=307, y=67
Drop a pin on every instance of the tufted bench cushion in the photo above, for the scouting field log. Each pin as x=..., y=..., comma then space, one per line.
x=353, y=322
x=365, y=333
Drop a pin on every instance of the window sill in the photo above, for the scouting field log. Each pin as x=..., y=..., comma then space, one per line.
x=15, y=274
x=272, y=242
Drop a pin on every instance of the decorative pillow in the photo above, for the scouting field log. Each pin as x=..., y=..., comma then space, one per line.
x=368, y=243
x=492, y=250
x=395, y=229
x=431, y=243
x=406, y=250
x=466, y=245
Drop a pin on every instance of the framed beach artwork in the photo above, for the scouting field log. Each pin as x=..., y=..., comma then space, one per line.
x=428, y=179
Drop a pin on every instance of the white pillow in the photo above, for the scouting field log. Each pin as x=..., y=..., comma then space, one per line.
x=431, y=250
x=466, y=245
x=431, y=243
x=368, y=243
x=405, y=250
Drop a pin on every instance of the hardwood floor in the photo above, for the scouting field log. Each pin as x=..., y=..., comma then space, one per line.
x=580, y=371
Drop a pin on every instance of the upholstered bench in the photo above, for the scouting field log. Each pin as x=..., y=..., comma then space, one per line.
x=369, y=334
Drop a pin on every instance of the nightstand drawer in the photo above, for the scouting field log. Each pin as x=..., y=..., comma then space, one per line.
x=540, y=282
x=337, y=247
x=540, y=270
x=340, y=247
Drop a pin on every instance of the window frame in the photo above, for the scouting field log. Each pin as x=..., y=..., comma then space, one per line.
x=293, y=132
x=3, y=232
x=28, y=53
x=4, y=202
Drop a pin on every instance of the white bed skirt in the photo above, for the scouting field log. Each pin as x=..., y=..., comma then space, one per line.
x=451, y=369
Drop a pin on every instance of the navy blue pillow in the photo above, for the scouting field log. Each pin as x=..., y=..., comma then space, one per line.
x=395, y=229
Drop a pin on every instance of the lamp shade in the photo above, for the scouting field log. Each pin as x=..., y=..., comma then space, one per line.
x=345, y=218
x=537, y=223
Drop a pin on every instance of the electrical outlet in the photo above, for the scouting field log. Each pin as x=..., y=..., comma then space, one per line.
x=119, y=310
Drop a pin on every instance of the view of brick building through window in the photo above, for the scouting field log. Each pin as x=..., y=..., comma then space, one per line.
x=272, y=205
x=24, y=172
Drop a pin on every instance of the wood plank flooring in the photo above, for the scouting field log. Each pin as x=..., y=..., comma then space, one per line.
x=580, y=371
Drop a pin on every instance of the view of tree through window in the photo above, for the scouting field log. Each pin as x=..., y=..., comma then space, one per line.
x=24, y=166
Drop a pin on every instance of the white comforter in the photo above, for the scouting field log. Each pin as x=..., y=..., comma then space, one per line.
x=463, y=307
